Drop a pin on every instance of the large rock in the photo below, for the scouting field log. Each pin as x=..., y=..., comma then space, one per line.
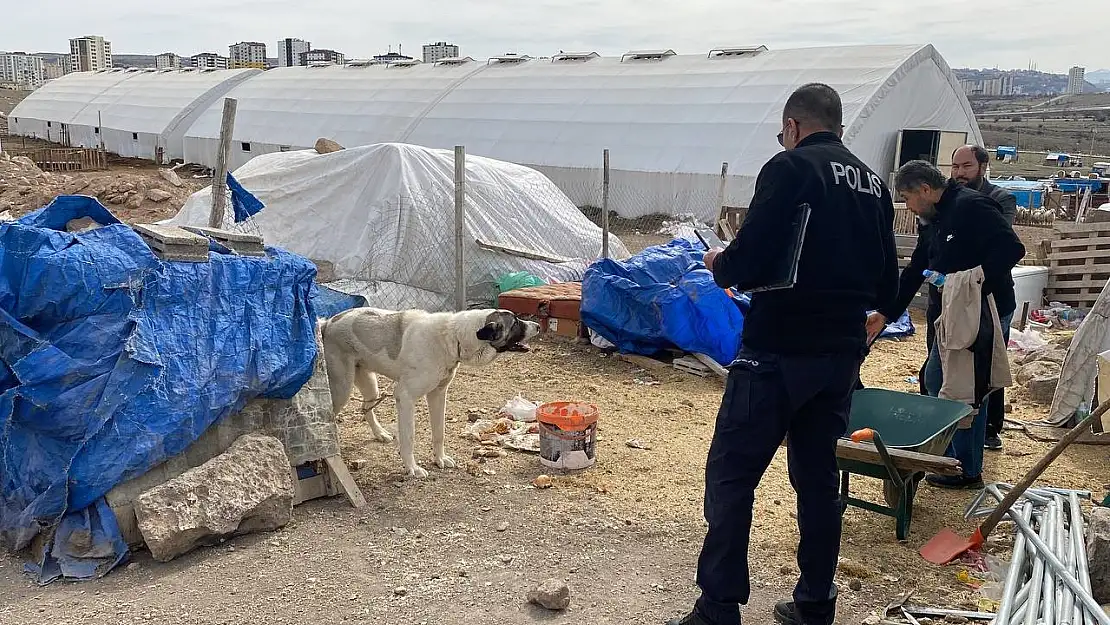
x=171, y=177
x=246, y=489
x=1040, y=379
x=158, y=195
x=1048, y=353
x=1098, y=554
x=327, y=146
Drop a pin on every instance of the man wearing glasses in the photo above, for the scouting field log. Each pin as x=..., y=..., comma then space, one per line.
x=801, y=354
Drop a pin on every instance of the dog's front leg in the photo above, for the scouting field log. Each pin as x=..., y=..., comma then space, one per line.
x=437, y=413
x=406, y=432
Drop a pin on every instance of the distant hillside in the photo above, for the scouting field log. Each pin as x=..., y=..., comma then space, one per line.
x=1099, y=76
x=1026, y=82
x=134, y=60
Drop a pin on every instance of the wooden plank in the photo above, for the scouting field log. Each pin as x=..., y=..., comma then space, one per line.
x=523, y=253
x=1066, y=228
x=1079, y=241
x=713, y=365
x=347, y=484
x=643, y=361
x=1088, y=254
x=903, y=460
x=1076, y=284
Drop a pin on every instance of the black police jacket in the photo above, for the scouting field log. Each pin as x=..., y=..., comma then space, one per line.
x=968, y=231
x=849, y=262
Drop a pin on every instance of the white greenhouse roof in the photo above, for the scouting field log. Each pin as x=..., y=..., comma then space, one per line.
x=680, y=114
x=135, y=101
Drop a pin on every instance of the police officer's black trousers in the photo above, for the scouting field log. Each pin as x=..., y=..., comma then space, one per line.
x=768, y=396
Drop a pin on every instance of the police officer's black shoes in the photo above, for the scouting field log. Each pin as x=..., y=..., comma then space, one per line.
x=785, y=614
x=993, y=442
x=955, y=482
x=690, y=619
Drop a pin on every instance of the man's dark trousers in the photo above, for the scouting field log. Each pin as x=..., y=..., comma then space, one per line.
x=807, y=399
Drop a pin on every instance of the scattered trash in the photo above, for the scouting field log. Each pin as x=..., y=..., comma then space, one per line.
x=504, y=432
x=636, y=443
x=552, y=594
x=643, y=382
x=520, y=409
x=1026, y=341
x=912, y=380
x=517, y=280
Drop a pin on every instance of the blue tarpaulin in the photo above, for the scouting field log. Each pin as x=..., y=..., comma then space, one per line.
x=243, y=204
x=898, y=329
x=662, y=297
x=112, y=361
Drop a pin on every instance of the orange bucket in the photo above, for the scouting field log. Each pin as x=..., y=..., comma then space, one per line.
x=568, y=434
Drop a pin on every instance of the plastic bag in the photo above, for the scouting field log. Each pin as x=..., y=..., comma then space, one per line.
x=1026, y=341
x=517, y=280
x=520, y=409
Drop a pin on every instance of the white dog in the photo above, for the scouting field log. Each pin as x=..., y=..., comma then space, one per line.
x=420, y=352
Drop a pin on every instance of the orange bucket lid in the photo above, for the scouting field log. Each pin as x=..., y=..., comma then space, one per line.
x=567, y=415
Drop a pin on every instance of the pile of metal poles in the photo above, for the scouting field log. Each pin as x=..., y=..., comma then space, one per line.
x=1048, y=582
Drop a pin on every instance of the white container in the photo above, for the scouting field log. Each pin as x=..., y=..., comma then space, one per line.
x=1029, y=285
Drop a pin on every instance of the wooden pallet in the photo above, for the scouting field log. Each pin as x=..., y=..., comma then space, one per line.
x=1079, y=263
x=906, y=244
x=689, y=364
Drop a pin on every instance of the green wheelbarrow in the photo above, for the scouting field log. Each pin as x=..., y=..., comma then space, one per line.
x=897, y=437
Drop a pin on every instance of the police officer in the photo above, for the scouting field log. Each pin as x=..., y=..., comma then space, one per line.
x=800, y=358
x=969, y=168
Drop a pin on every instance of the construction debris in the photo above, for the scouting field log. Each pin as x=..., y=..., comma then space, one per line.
x=238, y=242
x=171, y=243
x=1048, y=579
x=246, y=489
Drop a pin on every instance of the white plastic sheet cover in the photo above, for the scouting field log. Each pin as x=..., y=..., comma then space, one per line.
x=384, y=216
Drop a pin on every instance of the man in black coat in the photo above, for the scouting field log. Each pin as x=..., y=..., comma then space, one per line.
x=800, y=357
x=965, y=229
x=969, y=168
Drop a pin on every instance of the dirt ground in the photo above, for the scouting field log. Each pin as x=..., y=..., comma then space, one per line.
x=462, y=548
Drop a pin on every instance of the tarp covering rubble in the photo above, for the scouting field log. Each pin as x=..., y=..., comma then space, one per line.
x=383, y=215
x=660, y=298
x=113, y=361
x=664, y=297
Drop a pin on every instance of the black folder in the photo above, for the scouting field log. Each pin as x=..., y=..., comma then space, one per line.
x=782, y=271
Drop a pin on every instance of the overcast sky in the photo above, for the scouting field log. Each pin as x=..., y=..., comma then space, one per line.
x=967, y=32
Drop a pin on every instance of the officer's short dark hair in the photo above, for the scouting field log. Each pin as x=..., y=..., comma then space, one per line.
x=817, y=104
x=982, y=156
x=914, y=174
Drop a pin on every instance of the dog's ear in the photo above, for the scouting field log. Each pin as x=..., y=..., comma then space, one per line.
x=489, y=332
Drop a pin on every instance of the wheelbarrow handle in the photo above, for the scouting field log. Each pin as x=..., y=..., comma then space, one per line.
x=869, y=435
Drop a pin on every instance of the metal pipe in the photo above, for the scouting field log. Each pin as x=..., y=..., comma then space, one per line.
x=1033, y=607
x=1014, y=575
x=1067, y=598
x=1080, y=549
x=1048, y=535
x=1048, y=559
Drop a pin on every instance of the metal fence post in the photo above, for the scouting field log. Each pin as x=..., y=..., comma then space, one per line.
x=605, y=204
x=721, y=190
x=460, y=226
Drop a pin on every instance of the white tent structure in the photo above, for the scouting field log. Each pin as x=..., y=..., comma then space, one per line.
x=130, y=112
x=383, y=216
x=669, y=120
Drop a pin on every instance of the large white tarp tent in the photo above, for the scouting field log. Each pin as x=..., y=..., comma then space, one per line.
x=131, y=112
x=383, y=216
x=669, y=121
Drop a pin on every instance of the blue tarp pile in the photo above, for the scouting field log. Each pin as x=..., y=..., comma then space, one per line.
x=661, y=298
x=665, y=297
x=112, y=361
